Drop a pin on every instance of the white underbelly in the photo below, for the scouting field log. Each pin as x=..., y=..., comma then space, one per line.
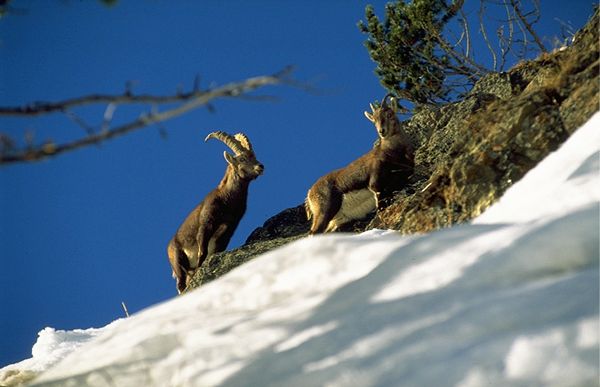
x=355, y=205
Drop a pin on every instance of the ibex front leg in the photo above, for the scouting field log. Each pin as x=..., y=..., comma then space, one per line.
x=376, y=188
x=180, y=265
x=220, y=239
x=202, y=239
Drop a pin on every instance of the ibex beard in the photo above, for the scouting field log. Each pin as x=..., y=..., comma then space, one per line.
x=210, y=226
x=353, y=192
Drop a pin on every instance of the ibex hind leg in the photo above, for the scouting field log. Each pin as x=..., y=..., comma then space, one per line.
x=319, y=224
x=323, y=208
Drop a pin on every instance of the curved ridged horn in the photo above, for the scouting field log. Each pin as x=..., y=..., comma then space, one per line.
x=228, y=140
x=243, y=139
x=384, y=100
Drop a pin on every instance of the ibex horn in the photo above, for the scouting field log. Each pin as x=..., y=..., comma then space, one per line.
x=384, y=100
x=229, y=140
x=243, y=139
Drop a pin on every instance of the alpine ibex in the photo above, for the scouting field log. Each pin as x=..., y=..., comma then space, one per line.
x=352, y=192
x=209, y=227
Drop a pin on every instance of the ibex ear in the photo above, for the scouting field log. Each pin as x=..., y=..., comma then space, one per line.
x=369, y=116
x=229, y=158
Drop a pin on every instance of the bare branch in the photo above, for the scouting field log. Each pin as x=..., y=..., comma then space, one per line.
x=506, y=43
x=125, y=308
x=79, y=121
x=39, y=108
x=468, y=66
x=528, y=25
x=190, y=102
x=467, y=32
x=523, y=42
x=485, y=37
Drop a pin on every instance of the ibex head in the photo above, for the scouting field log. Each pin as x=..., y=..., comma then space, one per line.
x=384, y=117
x=243, y=162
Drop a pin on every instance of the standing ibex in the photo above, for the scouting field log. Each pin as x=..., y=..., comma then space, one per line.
x=209, y=227
x=354, y=191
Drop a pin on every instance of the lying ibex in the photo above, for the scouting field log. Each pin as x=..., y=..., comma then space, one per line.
x=352, y=192
x=209, y=227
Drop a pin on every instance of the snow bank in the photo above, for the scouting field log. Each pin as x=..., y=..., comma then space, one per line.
x=51, y=346
x=510, y=299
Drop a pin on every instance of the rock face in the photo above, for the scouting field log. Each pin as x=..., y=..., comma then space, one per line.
x=467, y=152
x=287, y=223
x=481, y=145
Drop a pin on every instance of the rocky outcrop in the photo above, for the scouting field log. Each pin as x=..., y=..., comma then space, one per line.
x=483, y=144
x=467, y=152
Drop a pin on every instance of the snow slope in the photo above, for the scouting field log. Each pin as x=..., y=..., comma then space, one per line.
x=510, y=299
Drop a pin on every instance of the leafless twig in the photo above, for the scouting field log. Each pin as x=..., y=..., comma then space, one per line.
x=485, y=37
x=187, y=102
x=125, y=308
x=506, y=43
x=467, y=32
x=39, y=108
x=527, y=24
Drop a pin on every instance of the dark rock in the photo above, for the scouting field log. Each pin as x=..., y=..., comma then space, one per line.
x=498, y=85
x=287, y=223
x=221, y=263
x=581, y=104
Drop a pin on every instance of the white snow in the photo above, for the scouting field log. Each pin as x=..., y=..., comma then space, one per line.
x=51, y=346
x=510, y=299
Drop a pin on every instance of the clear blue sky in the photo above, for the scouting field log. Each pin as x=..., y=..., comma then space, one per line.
x=86, y=230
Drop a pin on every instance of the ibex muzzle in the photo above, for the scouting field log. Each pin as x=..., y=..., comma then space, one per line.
x=354, y=191
x=209, y=227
